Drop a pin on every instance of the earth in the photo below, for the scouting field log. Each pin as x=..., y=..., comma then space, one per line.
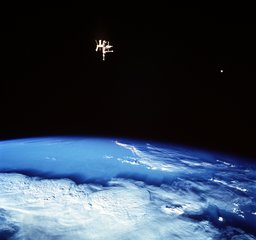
x=104, y=188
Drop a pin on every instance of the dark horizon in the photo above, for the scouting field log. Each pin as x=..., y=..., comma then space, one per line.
x=163, y=81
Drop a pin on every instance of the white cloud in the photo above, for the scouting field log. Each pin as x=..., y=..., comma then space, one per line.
x=60, y=209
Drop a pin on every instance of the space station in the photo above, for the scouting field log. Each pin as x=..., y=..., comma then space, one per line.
x=104, y=47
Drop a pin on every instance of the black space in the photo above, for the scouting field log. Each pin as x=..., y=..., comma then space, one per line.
x=163, y=82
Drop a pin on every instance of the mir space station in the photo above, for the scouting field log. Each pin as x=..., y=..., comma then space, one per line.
x=104, y=47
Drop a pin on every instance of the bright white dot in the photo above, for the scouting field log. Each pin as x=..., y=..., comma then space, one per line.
x=221, y=70
x=220, y=219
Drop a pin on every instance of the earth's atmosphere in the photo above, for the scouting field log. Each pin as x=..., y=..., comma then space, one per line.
x=103, y=188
